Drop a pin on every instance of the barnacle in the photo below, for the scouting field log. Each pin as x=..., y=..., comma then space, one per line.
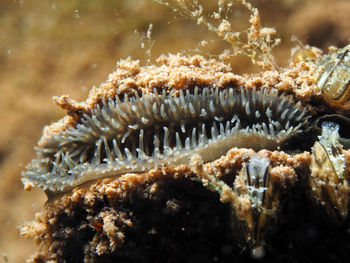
x=328, y=178
x=254, y=208
x=333, y=81
x=258, y=203
x=140, y=133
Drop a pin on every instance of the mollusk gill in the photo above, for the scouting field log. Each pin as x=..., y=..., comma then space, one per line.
x=151, y=130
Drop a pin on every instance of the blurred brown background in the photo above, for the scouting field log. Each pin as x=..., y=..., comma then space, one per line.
x=55, y=47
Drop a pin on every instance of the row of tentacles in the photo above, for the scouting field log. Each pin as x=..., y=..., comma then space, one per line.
x=140, y=133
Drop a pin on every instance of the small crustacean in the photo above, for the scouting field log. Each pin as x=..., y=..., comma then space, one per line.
x=328, y=177
x=257, y=205
x=334, y=79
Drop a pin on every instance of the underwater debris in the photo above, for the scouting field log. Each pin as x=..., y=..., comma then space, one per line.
x=328, y=179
